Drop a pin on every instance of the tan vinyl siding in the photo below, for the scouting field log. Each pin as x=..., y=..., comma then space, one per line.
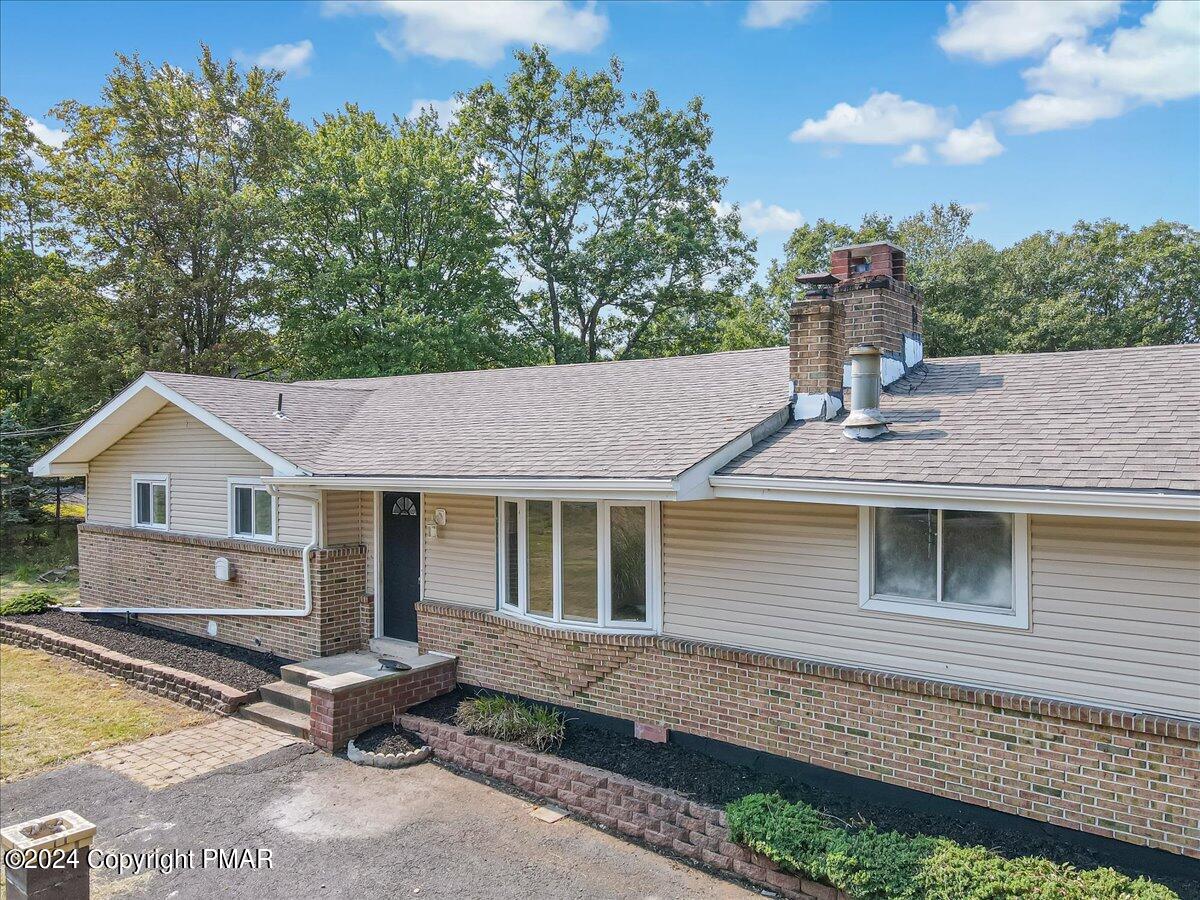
x=349, y=519
x=199, y=462
x=1115, y=603
x=460, y=563
x=343, y=517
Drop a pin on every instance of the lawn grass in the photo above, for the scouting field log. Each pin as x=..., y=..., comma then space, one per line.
x=52, y=710
x=28, y=551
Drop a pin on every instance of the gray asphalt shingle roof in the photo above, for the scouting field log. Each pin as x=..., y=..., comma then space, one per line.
x=1122, y=419
x=632, y=419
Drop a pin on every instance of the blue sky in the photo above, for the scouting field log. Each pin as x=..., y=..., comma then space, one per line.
x=1036, y=114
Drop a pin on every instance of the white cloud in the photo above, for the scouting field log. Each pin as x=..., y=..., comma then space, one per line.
x=1047, y=112
x=290, y=58
x=446, y=110
x=478, y=31
x=775, y=13
x=971, y=145
x=1153, y=62
x=54, y=137
x=916, y=155
x=1007, y=29
x=885, y=118
x=759, y=218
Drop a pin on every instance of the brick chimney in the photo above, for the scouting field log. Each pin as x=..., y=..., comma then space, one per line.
x=864, y=298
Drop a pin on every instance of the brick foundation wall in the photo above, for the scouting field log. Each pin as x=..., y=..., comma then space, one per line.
x=135, y=567
x=1118, y=775
x=344, y=710
x=638, y=810
x=174, y=684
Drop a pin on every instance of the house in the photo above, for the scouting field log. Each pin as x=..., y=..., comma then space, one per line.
x=983, y=582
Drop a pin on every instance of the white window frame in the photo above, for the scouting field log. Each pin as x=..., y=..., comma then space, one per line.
x=151, y=479
x=231, y=503
x=605, y=622
x=1017, y=617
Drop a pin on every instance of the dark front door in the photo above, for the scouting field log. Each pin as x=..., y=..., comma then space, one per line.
x=401, y=564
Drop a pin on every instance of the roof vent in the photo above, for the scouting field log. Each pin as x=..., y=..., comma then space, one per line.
x=279, y=413
x=865, y=421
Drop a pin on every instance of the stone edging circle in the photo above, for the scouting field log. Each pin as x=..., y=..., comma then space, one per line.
x=386, y=760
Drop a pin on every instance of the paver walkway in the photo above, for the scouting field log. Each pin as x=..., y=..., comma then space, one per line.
x=167, y=759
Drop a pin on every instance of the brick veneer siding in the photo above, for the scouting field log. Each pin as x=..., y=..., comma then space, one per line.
x=174, y=684
x=340, y=713
x=660, y=817
x=135, y=567
x=1132, y=777
x=366, y=620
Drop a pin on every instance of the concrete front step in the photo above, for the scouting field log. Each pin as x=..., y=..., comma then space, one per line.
x=277, y=717
x=358, y=663
x=291, y=696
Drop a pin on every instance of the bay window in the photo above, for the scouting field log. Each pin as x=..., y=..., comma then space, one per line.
x=150, y=501
x=965, y=565
x=585, y=563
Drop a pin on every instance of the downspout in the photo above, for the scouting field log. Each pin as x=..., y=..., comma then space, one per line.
x=305, y=553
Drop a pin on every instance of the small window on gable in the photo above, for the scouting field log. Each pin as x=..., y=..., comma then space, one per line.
x=966, y=565
x=252, y=512
x=150, y=499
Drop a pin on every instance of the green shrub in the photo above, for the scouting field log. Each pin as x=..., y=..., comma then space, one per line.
x=37, y=601
x=538, y=727
x=872, y=865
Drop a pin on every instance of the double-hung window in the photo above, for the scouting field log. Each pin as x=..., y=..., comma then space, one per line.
x=251, y=511
x=584, y=563
x=150, y=501
x=966, y=565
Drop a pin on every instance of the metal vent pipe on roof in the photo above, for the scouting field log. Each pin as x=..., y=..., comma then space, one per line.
x=865, y=421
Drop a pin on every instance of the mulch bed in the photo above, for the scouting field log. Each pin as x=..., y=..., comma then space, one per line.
x=389, y=739
x=716, y=782
x=235, y=666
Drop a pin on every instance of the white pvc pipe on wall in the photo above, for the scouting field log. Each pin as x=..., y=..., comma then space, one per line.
x=305, y=553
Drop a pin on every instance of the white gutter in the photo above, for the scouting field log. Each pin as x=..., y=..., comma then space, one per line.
x=305, y=553
x=532, y=488
x=1046, y=501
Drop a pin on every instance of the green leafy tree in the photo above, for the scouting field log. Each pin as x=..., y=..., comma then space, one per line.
x=1101, y=284
x=609, y=208
x=39, y=293
x=741, y=321
x=32, y=267
x=388, y=258
x=168, y=182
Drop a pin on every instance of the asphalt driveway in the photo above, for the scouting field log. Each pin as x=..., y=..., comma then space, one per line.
x=335, y=829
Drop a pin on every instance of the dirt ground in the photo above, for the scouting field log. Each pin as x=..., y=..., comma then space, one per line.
x=235, y=666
